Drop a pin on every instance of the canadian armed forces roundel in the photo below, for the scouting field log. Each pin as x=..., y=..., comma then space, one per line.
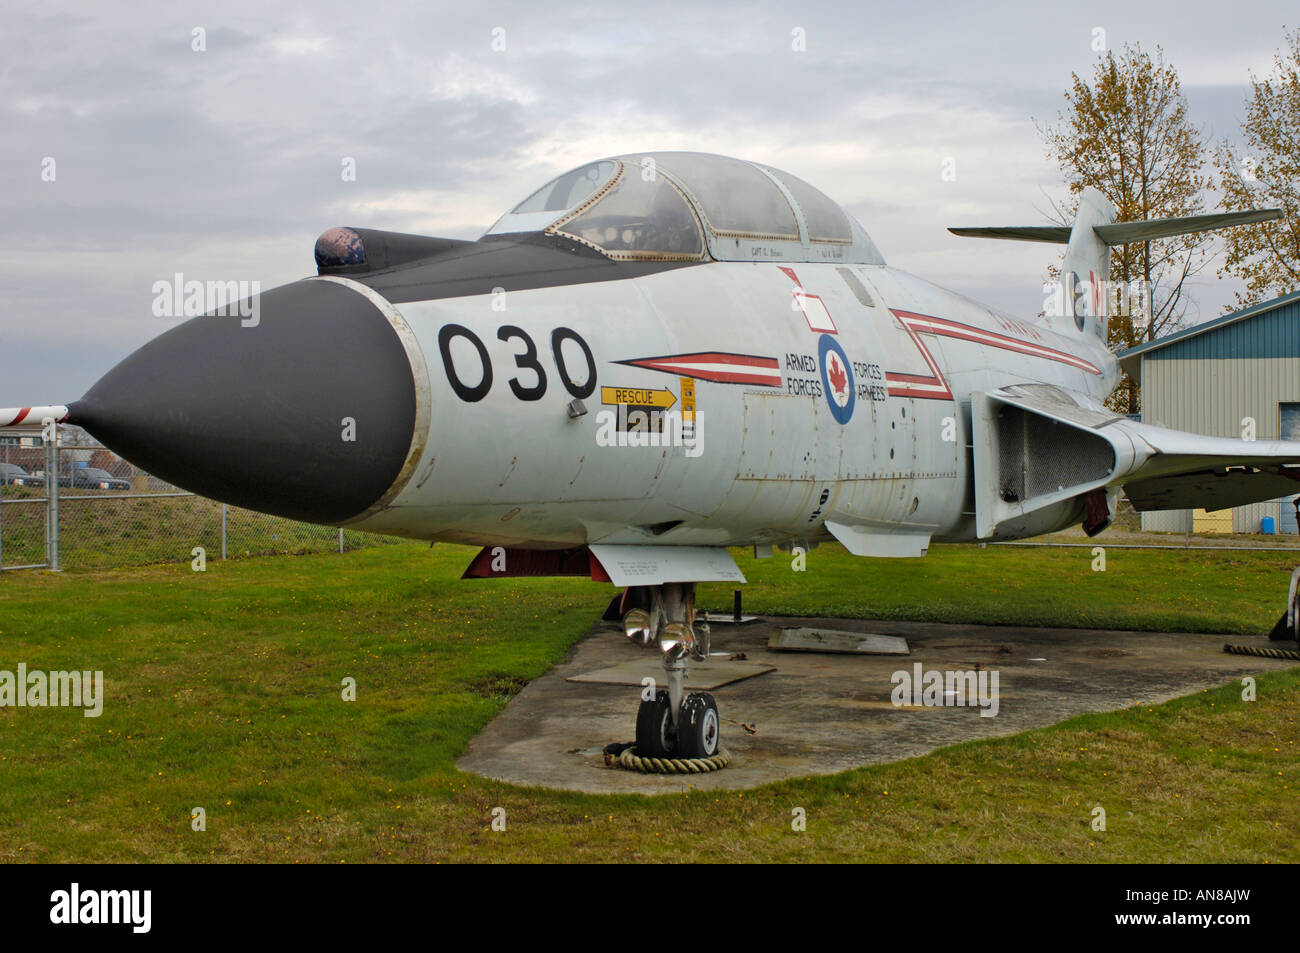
x=837, y=378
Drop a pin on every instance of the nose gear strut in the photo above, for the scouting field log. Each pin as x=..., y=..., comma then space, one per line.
x=676, y=731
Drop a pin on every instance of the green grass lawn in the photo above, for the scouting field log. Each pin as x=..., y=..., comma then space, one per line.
x=224, y=692
x=1155, y=590
x=106, y=531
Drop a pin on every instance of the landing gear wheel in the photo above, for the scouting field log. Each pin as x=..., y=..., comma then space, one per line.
x=699, y=727
x=1282, y=632
x=655, y=735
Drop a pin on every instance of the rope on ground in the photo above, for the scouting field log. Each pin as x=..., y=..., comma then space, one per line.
x=1263, y=652
x=628, y=758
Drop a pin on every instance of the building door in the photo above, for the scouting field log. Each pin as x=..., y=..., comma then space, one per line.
x=1289, y=419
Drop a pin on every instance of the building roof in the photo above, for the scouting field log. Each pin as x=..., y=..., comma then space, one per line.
x=1130, y=358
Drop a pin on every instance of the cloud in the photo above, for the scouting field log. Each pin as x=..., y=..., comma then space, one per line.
x=226, y=163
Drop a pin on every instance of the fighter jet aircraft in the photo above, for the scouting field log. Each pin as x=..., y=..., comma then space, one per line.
x=648, y=360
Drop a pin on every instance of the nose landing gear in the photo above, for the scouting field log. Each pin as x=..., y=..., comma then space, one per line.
x=671, y=724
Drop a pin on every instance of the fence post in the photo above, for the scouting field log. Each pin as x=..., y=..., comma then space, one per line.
x=223, y=530
x=340, y=540
x=46, y=445
x=52, y=497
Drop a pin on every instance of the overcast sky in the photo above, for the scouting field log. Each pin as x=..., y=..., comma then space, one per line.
x=225, y=164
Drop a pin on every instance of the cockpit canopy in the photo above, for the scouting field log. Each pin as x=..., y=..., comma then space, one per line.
x=691, y=206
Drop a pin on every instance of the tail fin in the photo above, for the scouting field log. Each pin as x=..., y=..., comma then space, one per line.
x=1080, y=302
x=1086, y=270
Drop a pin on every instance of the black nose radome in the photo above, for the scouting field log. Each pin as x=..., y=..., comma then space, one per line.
x=304, y=407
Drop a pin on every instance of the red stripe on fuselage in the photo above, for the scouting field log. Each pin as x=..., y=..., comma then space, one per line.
x=934, y=386
x=944, y=327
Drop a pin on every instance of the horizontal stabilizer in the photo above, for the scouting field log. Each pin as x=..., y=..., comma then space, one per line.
x=1057, y=234
x=1123, y=233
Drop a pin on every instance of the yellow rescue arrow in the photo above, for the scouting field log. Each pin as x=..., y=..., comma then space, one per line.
x=638, y=397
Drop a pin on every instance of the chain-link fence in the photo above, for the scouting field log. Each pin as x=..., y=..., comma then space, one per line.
x=71, y=503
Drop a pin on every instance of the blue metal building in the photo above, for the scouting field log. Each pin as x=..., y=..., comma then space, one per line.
x=1236, y=376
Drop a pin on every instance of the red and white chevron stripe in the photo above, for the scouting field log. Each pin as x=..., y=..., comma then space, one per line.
x=718, y=366
x=933, y=385
x=924, y=323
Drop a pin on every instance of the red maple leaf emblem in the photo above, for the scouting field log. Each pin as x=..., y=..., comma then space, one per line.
x=839, y=380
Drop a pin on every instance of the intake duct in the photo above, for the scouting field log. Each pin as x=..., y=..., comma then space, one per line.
x=1037, y=453
x=1038, y=456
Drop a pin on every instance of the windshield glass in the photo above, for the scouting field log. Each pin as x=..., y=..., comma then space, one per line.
x=568, y=191
x=555, y=198
x=642, y=216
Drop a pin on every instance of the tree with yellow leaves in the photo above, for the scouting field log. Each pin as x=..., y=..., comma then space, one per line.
x=1265, y=174
x=1127, y=135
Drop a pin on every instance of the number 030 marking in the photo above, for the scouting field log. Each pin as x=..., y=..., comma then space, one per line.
x=472, y=385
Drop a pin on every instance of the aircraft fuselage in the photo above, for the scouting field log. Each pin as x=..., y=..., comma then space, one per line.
x=818, y=390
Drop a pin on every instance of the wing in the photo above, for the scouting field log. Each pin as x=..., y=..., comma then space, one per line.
x=1190, y=471
x=1038, y=446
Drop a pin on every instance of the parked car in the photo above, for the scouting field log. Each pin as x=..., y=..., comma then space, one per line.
x=37, y=478
x=11, y=474
x=93, y=478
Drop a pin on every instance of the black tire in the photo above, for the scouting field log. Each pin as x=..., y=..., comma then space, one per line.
x=655, y=737
x=636, y=597
x=699, y=733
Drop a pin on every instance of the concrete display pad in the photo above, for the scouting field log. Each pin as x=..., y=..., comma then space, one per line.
x=835, y=642
x=704, y=676
x=819, y=714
